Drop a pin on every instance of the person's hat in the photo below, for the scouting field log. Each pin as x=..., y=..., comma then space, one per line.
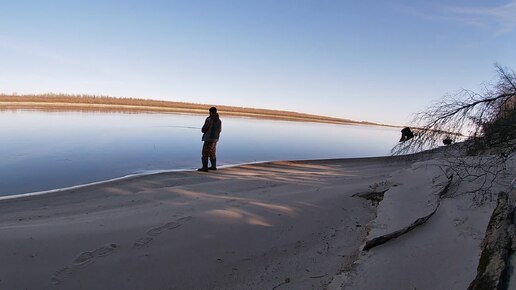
x=213, y=110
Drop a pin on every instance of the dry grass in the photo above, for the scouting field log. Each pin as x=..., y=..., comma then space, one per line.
x=62, y=102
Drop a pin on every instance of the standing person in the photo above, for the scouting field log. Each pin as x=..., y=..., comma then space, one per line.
x=211, y=132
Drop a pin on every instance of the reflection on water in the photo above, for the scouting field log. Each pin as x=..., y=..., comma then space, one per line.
x=48, y=150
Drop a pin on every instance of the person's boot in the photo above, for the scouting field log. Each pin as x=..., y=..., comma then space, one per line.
x=204, y=165
x=213, y=164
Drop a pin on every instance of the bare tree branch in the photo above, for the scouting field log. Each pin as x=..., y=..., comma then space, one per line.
x=485, y=122
x=464, y=116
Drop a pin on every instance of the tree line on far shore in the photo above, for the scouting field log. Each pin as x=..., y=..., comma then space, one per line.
x=54, y=101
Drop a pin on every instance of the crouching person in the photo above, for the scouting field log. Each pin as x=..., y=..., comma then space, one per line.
x=406, y=134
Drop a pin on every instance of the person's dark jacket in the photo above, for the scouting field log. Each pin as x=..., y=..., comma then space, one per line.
x=212, y=128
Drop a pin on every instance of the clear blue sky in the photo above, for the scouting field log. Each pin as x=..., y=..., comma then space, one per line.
x=365, y=60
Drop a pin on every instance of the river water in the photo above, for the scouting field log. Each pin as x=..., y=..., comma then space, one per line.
x=49, y=150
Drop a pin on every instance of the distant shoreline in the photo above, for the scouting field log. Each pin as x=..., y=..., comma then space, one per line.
x=79, y=103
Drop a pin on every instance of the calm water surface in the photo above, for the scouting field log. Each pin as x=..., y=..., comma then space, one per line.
x=48, y=150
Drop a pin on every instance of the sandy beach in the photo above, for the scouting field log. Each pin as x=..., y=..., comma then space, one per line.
x=279, y=225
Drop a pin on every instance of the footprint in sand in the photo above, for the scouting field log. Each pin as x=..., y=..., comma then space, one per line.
x=105, y=251
x=142, y=242
x=81, y=261
x=159, y=230
x=61, y=274
x=156, y=231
